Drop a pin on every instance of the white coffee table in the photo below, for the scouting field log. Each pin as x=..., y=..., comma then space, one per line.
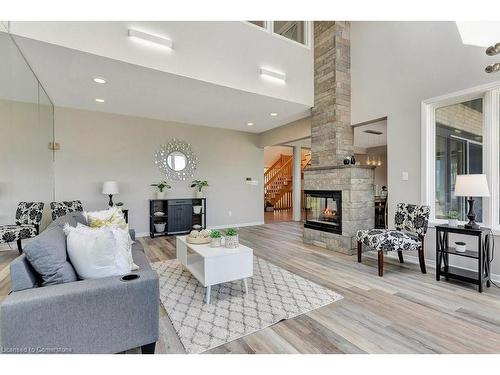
x=212, y=266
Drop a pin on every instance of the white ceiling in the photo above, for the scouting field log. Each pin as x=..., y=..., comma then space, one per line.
x=138, y=91
x=366, y=140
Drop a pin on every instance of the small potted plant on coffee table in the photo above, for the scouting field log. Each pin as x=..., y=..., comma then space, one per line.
x=162, y=185
x=453, y=218
x=199, y=185
x=231, y=238
x=216, y=237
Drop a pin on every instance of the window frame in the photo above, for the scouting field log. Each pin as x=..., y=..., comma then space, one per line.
x=270, y=29
x=490, y=93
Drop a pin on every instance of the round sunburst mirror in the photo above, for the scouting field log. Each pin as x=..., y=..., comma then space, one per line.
x=176, y=160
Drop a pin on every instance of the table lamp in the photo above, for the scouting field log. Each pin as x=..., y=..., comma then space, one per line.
x=471, y=185
x=110, y=188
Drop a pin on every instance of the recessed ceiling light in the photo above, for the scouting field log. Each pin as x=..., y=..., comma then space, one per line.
x=99, y=80
x=250, y=123
x=273, y=114
x=99, y=100
x=150, y=38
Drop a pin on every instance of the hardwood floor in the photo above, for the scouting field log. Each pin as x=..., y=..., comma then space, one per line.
x=403, y=312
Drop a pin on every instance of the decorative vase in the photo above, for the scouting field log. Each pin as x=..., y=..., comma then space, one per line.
x=199, y=194
x=215, y=242
x=160, y=195
x=452, y=222
x=197, y=210
x=160, y=227
x=232, y=242
x=347, y=161
x=460, y=247
x=353, y=160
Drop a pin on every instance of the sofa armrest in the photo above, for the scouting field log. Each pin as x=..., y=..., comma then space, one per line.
x=22, y=274
x=105, y=315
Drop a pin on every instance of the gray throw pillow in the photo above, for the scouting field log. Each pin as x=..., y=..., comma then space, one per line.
x=47, y=253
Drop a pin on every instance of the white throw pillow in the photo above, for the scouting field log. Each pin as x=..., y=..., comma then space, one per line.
x=96, y=253
x=112, y=218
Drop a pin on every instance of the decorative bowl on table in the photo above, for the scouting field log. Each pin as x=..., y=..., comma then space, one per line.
x=199, y=237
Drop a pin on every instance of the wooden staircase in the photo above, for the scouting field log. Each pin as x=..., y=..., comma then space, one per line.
x=278, y=181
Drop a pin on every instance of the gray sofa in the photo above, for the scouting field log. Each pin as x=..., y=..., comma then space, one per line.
x=107, y=315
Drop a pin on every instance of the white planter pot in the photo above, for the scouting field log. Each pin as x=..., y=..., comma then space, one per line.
x=453, y=222
x=460, y=248
x=160, y=195
x=199, y=194
x=160, y=227
x=215, y=242
x=232, y=242
x=197, y=209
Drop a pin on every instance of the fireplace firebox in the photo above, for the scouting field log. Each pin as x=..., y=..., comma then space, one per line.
x=323, y=210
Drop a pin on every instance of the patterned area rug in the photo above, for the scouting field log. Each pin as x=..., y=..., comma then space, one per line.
x=274, y=294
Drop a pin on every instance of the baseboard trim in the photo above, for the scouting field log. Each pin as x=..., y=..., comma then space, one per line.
x=431, y=263
x=250, y=224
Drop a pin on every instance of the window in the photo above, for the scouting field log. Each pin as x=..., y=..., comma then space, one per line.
x=294, y=30
x=461, y=135
x=459, y=150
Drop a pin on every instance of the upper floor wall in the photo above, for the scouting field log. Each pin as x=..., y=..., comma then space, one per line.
x=226, y=53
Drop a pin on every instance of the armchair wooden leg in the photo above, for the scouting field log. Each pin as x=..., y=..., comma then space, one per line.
x=421, y=258
x=381, y=263
x=360, y=246
x=400, y=255
x=19, y=246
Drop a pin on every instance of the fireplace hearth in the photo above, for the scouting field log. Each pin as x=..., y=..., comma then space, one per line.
x=323, y=210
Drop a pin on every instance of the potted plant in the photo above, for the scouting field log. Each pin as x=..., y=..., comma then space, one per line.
x=162, y=185
x=231, y=238
x=453, y=218
x=460, y=246
x=199, y=185
x=216, y=237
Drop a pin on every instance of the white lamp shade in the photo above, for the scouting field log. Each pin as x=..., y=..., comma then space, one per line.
x=472, y=185
x=110, y=187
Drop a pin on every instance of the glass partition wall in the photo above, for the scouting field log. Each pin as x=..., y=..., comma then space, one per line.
x=26, y=130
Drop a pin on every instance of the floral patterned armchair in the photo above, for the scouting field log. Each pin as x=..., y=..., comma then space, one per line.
x=63, y=208
x=28, y=218
x=410, y=222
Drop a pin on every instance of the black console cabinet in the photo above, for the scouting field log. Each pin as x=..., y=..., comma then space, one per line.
x=178, y=215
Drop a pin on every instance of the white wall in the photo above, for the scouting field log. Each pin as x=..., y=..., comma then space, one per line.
x=394, y=67
x=299, y=129
x=26, y=166
x=99, y=146
x=227, y=53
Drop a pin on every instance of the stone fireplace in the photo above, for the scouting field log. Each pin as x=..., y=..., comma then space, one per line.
x=332, y=141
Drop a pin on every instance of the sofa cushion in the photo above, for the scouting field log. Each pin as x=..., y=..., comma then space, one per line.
x=73, y=218
x=22, y=275
x=47, y=254
x=140, y=258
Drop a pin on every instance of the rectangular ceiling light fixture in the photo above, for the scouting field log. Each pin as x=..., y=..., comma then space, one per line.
x=159, y=40
x=264, y=72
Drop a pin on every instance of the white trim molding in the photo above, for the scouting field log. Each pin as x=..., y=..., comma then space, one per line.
x=490, y=93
